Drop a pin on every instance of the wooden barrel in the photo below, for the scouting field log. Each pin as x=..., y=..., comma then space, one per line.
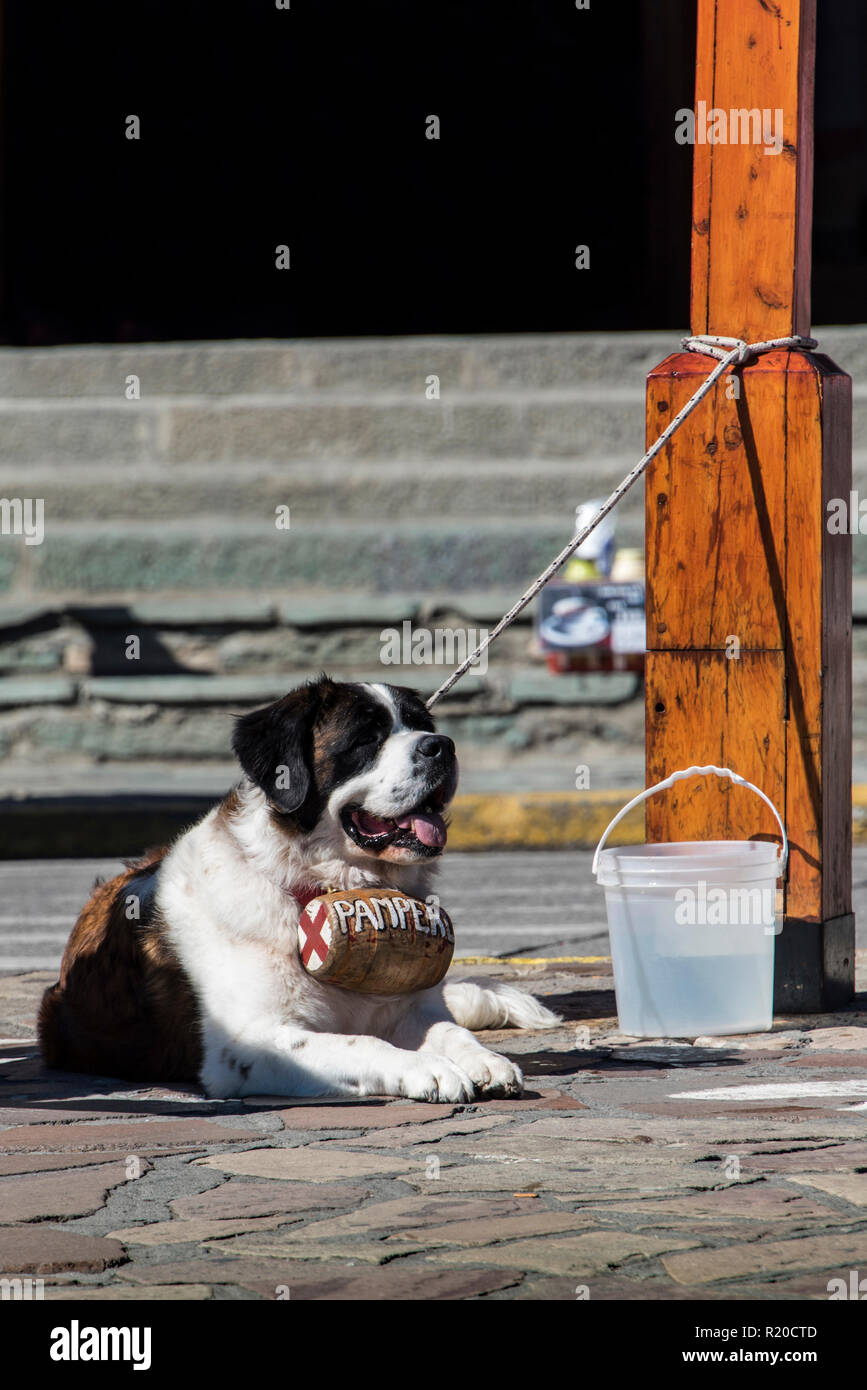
x=377, y=941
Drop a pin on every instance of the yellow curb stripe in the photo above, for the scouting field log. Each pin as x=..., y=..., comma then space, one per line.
x=528, y=960
x=541, y=820
x=568, y=820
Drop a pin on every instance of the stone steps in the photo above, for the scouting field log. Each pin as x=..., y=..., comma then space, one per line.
x=539, y=491
x=590, y=424
x=160, y=521
x=361, y=490
x=528, y=361
x=200, y=554
x=341, y=432
x=242, y=429
x=466, y=363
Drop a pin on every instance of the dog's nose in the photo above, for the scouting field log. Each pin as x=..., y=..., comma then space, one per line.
x=435, y=746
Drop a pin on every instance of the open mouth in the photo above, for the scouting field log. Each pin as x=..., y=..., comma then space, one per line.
x=422, y=830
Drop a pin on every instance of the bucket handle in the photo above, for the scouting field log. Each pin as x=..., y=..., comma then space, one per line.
x=692, y=772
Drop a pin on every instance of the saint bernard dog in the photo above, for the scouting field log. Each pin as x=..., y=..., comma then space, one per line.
x=345, y=786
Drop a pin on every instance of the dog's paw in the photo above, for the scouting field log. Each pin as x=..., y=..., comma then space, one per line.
x=492, y=1075
x=433, y=1078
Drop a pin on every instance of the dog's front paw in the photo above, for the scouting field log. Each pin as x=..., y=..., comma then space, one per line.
x=435, y=1078
x=493, y=1075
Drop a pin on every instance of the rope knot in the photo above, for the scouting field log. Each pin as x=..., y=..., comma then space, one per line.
x=734, y=351
x=737, y=352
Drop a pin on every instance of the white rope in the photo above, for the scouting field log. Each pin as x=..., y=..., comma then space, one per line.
x=731, y=352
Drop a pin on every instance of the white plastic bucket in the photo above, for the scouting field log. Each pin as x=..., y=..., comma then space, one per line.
x=692, y=927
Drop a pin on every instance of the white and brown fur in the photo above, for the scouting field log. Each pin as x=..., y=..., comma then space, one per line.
x=205, y=982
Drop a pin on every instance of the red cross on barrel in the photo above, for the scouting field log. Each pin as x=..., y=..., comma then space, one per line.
x=378, y=941
x=314, y=936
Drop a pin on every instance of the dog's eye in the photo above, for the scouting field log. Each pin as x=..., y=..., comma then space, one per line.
x=367, y=741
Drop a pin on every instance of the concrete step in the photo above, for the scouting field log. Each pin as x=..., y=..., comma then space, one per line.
x=555, y=396
x=122, y=558
x=363, y=489
x=583, y=424
x=462, y=363
x=199, y=554
x=389, y=492
x=555, y=360
x=242, y=429
x=331, y=490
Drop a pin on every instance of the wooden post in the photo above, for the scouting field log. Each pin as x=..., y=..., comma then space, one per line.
x=748, y=593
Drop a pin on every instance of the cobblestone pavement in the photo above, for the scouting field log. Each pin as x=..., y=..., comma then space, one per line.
x=717, y=1169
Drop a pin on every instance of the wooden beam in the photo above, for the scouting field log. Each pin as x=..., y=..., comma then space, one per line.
x=748, y=593
x=752, y=208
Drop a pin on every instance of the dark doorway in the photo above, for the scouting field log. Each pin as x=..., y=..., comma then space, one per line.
x=307, y=127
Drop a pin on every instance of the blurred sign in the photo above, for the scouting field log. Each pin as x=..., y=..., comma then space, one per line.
x=595, y=625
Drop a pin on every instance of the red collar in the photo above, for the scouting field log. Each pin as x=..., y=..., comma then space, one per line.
x=303, y=893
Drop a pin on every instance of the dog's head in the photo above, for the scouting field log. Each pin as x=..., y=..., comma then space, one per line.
x=361, y=760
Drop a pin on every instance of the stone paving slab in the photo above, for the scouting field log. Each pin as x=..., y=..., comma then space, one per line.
x=135, y=1138
x=431, y=1133
x=390, y=1284
x=549, y=1180
x=741, y=1201
x=839, y=1251
x=39, y=1197
x=281, y=1246
x=198, y=1229
x=789, y=1114
x=645, y=1169
x=660, y=1289
x=44, y=1250
x=363, y=1116
x=305, y=1281
x=63, y=1163
x=850, y=1187
x=249, y=1199
x=834, y=1157
x=831, y=1062
x=445, y=1221
x=316, y=1163
x=580, y=1256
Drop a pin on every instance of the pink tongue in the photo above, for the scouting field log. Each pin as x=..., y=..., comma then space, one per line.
x=373, y=825
x=431, y=830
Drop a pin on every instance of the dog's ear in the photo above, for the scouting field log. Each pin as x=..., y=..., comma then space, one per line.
x=274, y=746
